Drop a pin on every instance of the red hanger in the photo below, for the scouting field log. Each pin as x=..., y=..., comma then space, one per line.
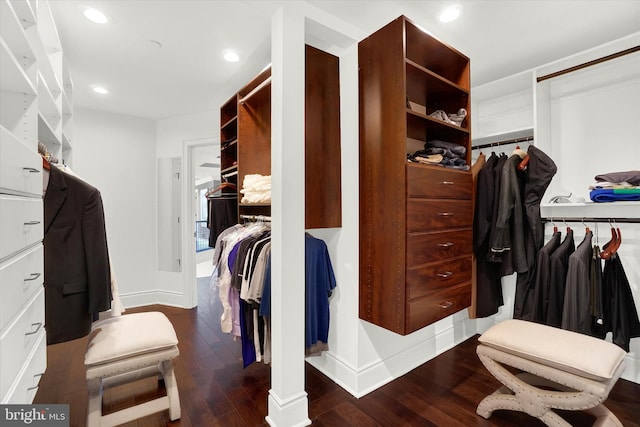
x=45, y=164
x=612, y=245
x=222, y=187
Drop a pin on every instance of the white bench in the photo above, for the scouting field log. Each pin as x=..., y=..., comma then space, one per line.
x=125, y=349
x=559, y=369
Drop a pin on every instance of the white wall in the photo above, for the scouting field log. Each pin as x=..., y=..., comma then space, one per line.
x=116, y=154
x=171, y=134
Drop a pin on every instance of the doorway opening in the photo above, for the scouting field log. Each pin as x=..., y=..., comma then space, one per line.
x=202, y=173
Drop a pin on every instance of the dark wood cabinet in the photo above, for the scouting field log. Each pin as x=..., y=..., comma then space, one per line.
x=245, y=139
x=415, y=219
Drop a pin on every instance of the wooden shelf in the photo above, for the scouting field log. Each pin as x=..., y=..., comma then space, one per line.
x=246, y=116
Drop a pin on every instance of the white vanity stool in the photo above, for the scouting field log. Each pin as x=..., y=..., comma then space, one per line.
x=577, y=371
x=125, y=349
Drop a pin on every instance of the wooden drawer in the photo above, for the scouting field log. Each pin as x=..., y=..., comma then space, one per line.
x=423, y=248
x=434, y=277
x=438, y=214
x=20, y=167
x=26, y=386
x=18, y=340
x=20, y=279
x=438, y=305
x=434, y=182
x=20, y=223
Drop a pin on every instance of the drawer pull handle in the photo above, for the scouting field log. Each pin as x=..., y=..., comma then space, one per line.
x=32, y=223
x=31, y=170
x=447, y=182
x=445, y=275
x=445, y=305
x=38, y=326
x=445, y=244
x=33, y=277
x=37, y=385
x=446, y=213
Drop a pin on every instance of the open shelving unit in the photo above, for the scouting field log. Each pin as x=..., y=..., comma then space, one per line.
x=416, y=224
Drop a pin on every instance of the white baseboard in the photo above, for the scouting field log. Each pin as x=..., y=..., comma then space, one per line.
x=363, y=380
x=138, y=299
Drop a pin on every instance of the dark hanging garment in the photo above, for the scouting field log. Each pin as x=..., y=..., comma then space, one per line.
x=540, y=301
x=506, y=269
x=509, y=224
x=558, y=263
x=596, y=292
x=624, y=323
x=488, y=284
x=576, y=313
x=537, y=177
x=77, y=274
x=222, y=214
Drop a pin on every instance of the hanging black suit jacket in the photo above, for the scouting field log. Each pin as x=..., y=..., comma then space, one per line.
x=76, y=260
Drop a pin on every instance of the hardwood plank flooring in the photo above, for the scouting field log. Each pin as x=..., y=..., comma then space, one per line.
x=216, y=391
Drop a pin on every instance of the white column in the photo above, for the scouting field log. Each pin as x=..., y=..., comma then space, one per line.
x=288, y=403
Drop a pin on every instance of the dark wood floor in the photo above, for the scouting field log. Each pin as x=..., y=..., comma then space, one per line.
x=216, y=391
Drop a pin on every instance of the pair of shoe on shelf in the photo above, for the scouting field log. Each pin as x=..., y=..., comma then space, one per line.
x=451, y=118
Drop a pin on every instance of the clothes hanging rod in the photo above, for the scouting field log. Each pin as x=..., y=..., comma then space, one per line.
x=591, y=219
x=499, y=143
x=589, y=63
x=255, y=90
x=256, y=217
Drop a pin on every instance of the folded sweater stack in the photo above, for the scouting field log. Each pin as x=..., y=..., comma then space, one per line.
x=256, y=188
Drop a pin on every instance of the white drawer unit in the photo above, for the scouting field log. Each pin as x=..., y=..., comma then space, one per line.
x=25, y=386
x=18, y=340
x=20, y=166
x=30, y=49
x=21, y=224
x=20, y=278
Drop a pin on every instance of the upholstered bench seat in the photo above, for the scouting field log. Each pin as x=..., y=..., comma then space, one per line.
x=559, y=369
x=125, y=349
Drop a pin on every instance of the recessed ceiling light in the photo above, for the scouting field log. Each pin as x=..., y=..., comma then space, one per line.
x=100, y=90
x=231, y=56
x=94, y=15
x=450, y=14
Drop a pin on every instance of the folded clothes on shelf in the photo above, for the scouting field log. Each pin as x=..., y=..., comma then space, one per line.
x=256, y=188
x=615, y=194
x=631, y=177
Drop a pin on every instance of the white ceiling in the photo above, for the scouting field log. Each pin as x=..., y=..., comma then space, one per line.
x=188, y=75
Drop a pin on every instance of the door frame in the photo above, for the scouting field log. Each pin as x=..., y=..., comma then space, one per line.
x=190, y=282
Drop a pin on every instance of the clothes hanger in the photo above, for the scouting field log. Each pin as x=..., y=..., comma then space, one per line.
x=586, y=228
x=618, y=242
x=45, y=164
x=222, y=186
x=608, y=248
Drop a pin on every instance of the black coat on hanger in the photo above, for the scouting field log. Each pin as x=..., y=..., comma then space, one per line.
x=77, y=278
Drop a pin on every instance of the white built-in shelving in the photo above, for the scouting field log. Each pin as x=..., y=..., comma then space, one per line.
x=35, y=106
